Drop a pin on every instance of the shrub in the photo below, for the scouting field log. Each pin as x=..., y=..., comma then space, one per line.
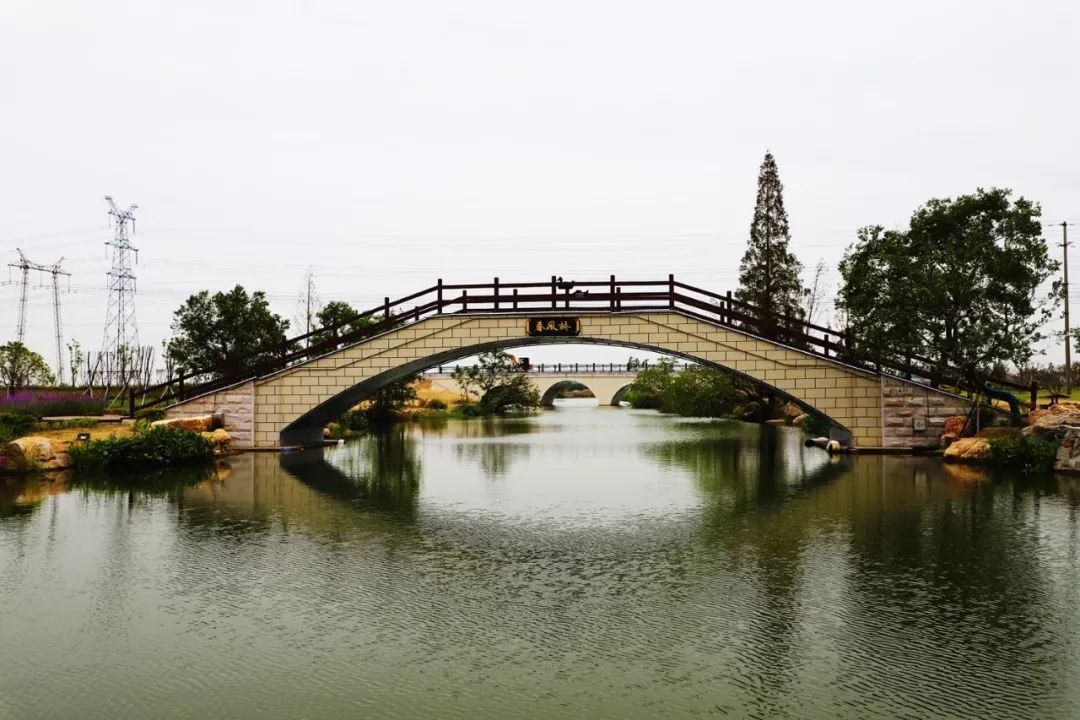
x=151, y=414
x=469, y=410
x=158, y=446
x=1025, y=453
x=15, y=424
x=43, y=403
x=355, y=420
x=436, y=404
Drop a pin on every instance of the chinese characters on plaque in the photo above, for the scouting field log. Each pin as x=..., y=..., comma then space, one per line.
x=554, y=326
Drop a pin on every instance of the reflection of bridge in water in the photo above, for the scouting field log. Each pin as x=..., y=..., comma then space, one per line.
x=608, y=382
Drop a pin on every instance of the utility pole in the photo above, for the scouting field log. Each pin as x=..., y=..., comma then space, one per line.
x=307, y=305
x=1068, y=340
x=25, y=265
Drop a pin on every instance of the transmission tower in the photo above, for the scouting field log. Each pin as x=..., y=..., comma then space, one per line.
x=121, y=333
x=25, y=265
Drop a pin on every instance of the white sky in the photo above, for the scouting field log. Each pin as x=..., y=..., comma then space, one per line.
x=389, y=143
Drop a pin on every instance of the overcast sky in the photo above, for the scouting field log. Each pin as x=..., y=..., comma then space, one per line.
x=389, y=143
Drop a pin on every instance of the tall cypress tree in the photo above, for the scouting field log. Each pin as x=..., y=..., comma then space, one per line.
x=769, y=273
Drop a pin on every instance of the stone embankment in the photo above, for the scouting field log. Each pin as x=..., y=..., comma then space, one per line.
x=1057, y=423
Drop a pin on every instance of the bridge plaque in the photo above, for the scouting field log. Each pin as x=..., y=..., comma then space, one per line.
x=553, y=326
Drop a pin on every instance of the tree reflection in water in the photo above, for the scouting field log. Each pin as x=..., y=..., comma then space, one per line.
x=379, y=470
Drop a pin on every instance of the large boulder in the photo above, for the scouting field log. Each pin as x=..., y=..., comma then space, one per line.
x=28, y=453
x=1058, y=412
x=218, y=438
x=198, y=423
x=970, y=450
x=954, y=425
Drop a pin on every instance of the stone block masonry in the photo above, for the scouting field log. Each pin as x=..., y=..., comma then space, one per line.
x=914, y=415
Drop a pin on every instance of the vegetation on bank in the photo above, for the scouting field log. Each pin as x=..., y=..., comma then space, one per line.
x=155, y=447
x=22, y=411
x=1025, y=453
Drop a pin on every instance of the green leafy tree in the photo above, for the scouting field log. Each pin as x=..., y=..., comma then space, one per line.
x=702, y=391
x=499, y=382
x=769, y=272
x=651, y=385
x=467, y=378
x=335, y=319
x=517, y=392
x=21, y=367
x=230, y=332
x=960, y=286
x=76, y=358
x=388, y=402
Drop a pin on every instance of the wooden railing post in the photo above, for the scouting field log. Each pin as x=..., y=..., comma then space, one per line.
x=671, y=291
x=131, y=402
x=386, y=308
x=438, y=297
x=515, y=299
x=180, y=382
x=730, y=321
x=618, y=298
x=496, y=293
x=612, y=293
x=464, y=299
x=825, y=345
x=554, y=299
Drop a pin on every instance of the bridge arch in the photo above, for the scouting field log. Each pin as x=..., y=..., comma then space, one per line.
x=292, y=406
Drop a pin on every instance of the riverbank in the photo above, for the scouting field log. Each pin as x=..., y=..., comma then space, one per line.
x=81, y=442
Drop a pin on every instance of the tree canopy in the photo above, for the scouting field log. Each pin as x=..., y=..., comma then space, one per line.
x=499, y=382
x=231, y=332
x=769, y=272
x=21, y=367
x=335, y=319
x=960, y=286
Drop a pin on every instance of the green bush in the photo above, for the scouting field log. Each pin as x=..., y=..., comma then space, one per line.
x=15, y=424
x=436, y=404
x=1025, y=453
x=151, y=414
x=355, y=420
x=156, y=447
x=469, y=410
x=643, y=401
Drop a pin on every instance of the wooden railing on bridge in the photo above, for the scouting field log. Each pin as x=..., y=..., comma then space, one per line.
x=603, y=296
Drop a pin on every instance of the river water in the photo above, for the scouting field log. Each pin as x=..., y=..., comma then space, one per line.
x=580, y=563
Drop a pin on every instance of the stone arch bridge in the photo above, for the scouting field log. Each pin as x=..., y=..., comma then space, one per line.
x=289, y=402
x=606, y=383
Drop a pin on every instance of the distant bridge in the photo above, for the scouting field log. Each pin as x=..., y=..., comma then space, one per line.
x=608, y=382
x=287, y=400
